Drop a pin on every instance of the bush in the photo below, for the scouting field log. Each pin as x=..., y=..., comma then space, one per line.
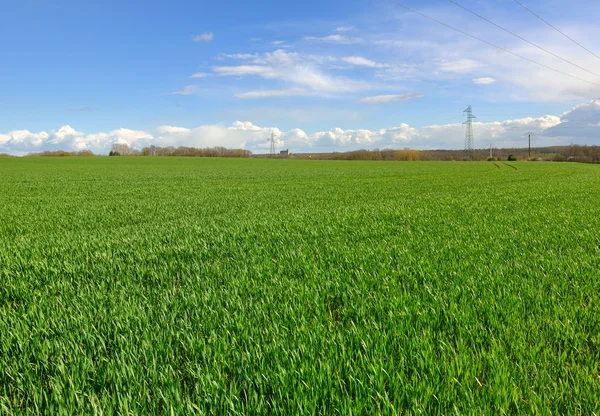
x=512, y=158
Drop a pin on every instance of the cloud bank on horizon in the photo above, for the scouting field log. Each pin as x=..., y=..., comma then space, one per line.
x=549, y=130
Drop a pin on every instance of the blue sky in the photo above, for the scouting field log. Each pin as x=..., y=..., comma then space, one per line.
x=323, y=75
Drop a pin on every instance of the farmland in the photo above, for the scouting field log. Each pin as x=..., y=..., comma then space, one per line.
x=180, y=285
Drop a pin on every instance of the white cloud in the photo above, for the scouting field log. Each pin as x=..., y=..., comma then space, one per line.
x=242, y=70
x=578, y=125
x=204, y=37
x=271, y=93
x=484, y=81
x=378, y=99
x=459, y=66
x=442, y=56
x=187, y=90
x=360, y=61
x=201, y=75
x=172, y=130
x=581, y=121
x=239, y=56
x=299, y=70
x=335, y=38
x=344, y=28
x=23, y=139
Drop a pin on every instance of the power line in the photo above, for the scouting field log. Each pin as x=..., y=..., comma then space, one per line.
x=522, y=38
x=558, y=30
x=492, y=45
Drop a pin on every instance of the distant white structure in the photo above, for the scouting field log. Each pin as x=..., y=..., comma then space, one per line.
x=285, y=153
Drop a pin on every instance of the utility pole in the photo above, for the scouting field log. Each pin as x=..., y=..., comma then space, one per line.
x=529, y=135
x=491, y=153
x=469, y=133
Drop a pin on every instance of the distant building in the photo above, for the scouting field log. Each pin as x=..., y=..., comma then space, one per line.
x=285, y=153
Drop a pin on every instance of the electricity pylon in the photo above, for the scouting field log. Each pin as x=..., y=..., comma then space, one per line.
x=272, y=139
x=469, y=142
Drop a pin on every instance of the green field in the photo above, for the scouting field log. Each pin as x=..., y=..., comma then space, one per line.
x=215, y=286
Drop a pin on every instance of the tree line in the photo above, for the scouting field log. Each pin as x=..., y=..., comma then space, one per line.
x=219, y=151
x=125, y=150
x=572, y=153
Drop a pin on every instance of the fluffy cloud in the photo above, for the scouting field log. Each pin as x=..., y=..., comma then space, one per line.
x=578, y=125
x=360, y=61
x=205, y=37
x=378, y=99
x=484, y=81
x=201, y=75
x=299, y=70
x=67, y=138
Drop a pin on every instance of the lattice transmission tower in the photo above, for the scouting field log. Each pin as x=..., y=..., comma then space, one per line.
x=272, y=140
x=469, y=141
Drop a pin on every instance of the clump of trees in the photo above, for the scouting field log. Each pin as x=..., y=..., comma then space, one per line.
x=363, y=154
x=576, y=153
x=120, y=149
x=125, y=150
x=62, y=153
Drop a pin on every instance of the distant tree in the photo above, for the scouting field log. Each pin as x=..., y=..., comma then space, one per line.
x=120, y=149
x=408, y=155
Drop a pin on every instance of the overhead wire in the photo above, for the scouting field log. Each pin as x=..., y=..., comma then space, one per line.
x=557, y=29
x=522, y=38
x=491, y=44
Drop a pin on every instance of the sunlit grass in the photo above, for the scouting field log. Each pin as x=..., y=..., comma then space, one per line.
x=159, y=285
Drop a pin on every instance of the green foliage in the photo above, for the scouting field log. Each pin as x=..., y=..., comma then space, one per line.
x=230, y=286
x=512, y=158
